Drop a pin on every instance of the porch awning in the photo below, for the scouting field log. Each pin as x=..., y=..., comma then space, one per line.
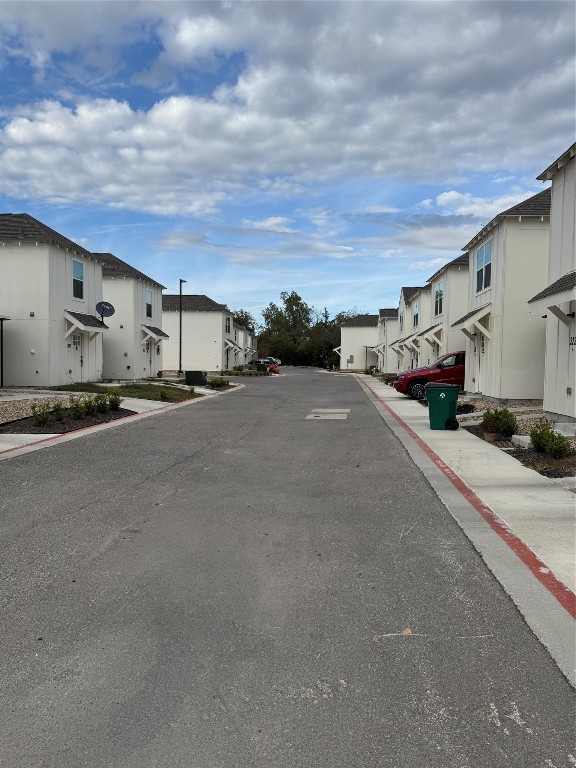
x=153, y=333
x=559, y=292
x=379, y=347
x=229, y=344
x=431, y=334
x=473, y=318
x=85, y=323
x=338, y=351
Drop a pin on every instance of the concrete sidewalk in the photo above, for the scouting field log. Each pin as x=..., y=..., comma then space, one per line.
x=522, y=523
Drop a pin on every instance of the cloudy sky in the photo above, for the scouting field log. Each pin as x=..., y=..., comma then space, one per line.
x=338, y=149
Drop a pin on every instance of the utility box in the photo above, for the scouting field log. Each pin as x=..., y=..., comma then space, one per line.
x=196, y=378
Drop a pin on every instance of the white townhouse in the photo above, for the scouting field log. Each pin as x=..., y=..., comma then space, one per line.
x=246, y=343
x=49, y=288
x=358, y=337
x=397, y=344
x=557, y=301
x=132, y=347
x=207, y=340
x=413, y=312
x=387, y=332
x=508, y=265
x=448, y=301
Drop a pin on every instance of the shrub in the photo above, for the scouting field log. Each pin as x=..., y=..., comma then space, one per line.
x=462, y=408
x=499, y=420
x=77, y=407
x=89, y=406
x=58, y=410
x=114, y=401
x=540, y=435
x=388, y=378
x=218, y=382
x=238, y=368
x=41, y=413
x=546, y=440
x=101, y=403
x=559, y=446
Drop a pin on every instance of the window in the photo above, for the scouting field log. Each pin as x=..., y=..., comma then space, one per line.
x=401, y=322
x=484, y=266
x=227, y=325
x=449, y=361
x=415, y=311
x=235, y=335
x=438, y=296
x=78, y=279
x=148, y=303
x=76, y=340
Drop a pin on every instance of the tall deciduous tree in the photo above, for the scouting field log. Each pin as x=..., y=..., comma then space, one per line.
x=244, y=318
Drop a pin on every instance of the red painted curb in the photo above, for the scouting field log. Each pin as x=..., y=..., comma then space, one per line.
x=560, y=591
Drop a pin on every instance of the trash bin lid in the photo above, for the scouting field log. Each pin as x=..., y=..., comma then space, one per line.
x=436, y=385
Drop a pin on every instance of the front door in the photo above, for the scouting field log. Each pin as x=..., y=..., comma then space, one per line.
x=75, y=356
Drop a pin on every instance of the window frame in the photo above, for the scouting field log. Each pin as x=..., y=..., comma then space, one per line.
x=415, y=313
x=227, y=325
x=439, y=297
x=148, y=304
x=77, y=282
x=484, y=266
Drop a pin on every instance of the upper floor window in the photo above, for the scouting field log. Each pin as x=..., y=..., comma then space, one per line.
x=401, y=319
x=235, y=335
x=148, y=303
x=484, y=266
x=78, y=279
x=438, y=297
x=415, y=313
x=227, y=325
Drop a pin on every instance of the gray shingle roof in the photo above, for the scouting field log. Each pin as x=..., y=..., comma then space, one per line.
x=459, y=261
x=157, y=331
x=360, y=321
x=469, y=314
x=25, y=228
x=387, y=313
x=112, y=266
x=191, y=303
x=565, y=283
x=560, y=162
x=536, y=206
x=408, y=293
x=90, y=321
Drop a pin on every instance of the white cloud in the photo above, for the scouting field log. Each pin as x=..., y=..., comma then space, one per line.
x=297, y=111
x=271, y=224
x=465, y=204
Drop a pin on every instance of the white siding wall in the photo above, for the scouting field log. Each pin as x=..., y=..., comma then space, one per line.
x=125, y=353
x=38, y=279
x=560, y=369
x=353, y=342
x=202, y=341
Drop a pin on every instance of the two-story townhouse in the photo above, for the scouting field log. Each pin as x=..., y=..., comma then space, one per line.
x=403, y=329
x=508, y=265
x=358, y=337
x=132, y=347
x=417, y=314
x=387, y=333
x=448, y=301
x=50, y=287
x=557, y=301
x=244, y=338
x=207, y=339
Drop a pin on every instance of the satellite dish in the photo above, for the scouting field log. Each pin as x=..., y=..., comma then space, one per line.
x=105, y=309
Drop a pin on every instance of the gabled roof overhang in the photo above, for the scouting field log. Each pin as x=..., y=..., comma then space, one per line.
x=477, y=318
x=156, y=334
x=78, y=321
x=559, y=292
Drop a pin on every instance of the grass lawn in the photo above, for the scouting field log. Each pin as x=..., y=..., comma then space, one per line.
x=165, y=393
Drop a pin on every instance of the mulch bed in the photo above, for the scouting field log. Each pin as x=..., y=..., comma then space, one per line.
x=540, y=462
x=69, y=423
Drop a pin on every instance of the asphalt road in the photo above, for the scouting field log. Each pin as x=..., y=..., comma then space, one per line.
x=232, y=584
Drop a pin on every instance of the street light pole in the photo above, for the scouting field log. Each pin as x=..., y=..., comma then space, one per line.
x=180, y=338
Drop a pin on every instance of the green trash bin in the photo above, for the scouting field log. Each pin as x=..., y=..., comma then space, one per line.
x=442, y=401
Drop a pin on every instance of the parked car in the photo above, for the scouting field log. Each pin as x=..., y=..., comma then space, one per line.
x=448, y=369
x=273, y=368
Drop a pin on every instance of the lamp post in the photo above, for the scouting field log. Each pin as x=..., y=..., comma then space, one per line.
x=180, y=338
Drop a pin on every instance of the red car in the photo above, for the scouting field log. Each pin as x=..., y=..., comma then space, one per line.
x=448, y=369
